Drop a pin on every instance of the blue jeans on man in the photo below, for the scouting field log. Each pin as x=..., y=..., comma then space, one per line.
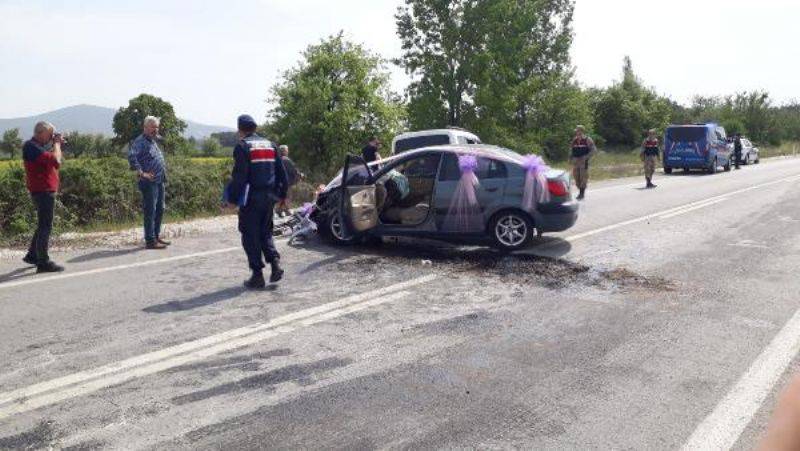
x=153, y=208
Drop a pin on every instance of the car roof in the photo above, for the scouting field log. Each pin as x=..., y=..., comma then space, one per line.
x=437, y=131
x=486, y=150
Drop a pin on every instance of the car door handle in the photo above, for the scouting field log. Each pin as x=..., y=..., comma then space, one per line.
x=491, y=190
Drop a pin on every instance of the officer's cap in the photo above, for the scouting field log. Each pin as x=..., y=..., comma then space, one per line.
x=246, y=122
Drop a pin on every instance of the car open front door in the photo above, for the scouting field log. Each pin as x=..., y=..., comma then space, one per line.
x=358, y=203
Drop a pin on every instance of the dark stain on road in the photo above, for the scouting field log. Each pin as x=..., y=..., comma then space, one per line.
x=251, y=362
x=44, y=435
x=203, y=300
x=521, y=269
x=458, y=324
x=88, y=446
x=301, y=373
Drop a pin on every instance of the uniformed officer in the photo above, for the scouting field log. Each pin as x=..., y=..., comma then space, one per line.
x=582, y=150
x=737, y=150
x=258, y=182
x=649, y=155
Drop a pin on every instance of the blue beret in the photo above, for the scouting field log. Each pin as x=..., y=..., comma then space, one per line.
x=246, y=121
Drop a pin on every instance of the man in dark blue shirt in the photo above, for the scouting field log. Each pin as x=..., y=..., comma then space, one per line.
x=258, y=181
x=147, y=160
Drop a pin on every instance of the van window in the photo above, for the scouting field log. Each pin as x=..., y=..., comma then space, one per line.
x=487, y=169
x=462, y=140
x=686, y=134
x=418, y=142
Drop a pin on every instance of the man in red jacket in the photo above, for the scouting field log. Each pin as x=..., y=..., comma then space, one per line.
x=42, y=156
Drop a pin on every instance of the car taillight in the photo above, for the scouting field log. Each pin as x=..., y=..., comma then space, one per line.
x=557, y=187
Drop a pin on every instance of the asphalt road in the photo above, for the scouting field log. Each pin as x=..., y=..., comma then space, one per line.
x=664, y=319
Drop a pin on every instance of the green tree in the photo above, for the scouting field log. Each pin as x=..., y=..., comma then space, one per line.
x=493, y=66
x=442, y=41
x=128, y=122
x=90, y=145
x=11, y=142
x=328, y=105
x=627, y=109
x=211, y=147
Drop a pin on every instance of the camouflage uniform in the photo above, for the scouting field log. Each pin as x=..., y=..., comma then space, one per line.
x=582, y=149
x=649, y=156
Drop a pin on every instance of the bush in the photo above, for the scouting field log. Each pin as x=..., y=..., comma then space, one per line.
x=104, y=191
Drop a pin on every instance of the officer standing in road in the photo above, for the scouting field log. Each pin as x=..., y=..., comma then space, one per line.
x=649, y=156
x=258, y=182
x=582, y=150
x=737, y=150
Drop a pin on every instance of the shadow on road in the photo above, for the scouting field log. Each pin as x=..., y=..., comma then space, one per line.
x=17, y=274
x=103, y=254
x=196, y=302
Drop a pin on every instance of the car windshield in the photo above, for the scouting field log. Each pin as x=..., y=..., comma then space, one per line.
x=686, y=134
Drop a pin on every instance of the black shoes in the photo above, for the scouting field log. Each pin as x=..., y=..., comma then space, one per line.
x=650, y=184
x=256, y=281
x=49, y=267
x=155, y=245
x=277, y=272
x=581, y=194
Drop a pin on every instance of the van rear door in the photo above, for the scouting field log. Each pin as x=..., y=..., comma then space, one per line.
x=686, y=146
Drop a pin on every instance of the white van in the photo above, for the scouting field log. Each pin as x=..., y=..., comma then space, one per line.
x=425, y=138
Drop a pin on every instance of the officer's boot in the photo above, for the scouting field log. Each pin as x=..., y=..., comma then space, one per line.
x=581, y=193
x=256, y=281
x=277, y=271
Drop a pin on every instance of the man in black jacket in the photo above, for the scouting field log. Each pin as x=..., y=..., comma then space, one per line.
x=258, y=181
x=737, y=150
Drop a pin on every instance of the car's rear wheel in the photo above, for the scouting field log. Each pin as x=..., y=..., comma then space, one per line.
x=667, y=170
x=512, y=230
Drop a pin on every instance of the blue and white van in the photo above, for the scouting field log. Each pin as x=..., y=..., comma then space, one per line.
x=696, y=146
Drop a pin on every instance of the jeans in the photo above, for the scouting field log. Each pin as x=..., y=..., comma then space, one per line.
x=255, y=225
x=45, y=204
x=153, y=208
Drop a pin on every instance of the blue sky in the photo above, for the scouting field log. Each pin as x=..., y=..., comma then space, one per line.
x=215, y=60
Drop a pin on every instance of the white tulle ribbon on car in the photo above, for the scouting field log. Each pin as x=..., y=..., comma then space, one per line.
x=465, y=214
x=535, y=190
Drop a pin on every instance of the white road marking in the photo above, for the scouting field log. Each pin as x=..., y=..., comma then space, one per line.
x=56, y=390
x=675, y=209
x=722, y=428
x=69, y=275
x=690, y=209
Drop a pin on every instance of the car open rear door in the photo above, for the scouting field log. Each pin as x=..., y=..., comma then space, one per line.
x=358, y=203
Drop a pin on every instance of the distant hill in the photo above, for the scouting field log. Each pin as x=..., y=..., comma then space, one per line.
x=92, y=119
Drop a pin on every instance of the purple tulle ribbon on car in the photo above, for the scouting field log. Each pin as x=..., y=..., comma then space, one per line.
x=535, y=182
x=465, y=214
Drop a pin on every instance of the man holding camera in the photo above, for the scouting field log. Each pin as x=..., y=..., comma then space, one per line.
x=42, y=156
x=147, y=160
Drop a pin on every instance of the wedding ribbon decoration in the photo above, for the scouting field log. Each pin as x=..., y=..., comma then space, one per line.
x=535, y=182
x=465, y=212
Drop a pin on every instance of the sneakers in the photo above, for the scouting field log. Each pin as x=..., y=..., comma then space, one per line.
x=277, y=272
x=256, y=281
x=155, y=245
x=49, y=267
x=164, y=242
